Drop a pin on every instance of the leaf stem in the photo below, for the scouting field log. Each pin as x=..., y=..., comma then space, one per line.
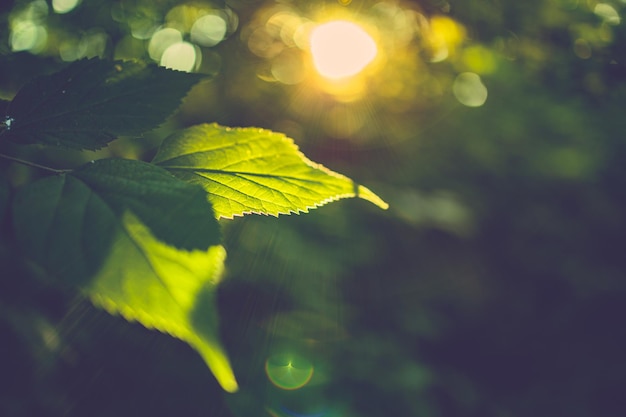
x=34, y=165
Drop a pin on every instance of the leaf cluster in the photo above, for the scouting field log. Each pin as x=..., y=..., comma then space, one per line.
x=142, y=239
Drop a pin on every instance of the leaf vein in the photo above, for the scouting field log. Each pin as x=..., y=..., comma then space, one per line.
x=240, y=173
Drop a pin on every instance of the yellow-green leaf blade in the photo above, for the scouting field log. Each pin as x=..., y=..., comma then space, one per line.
x=165, y=288
x=251, y=170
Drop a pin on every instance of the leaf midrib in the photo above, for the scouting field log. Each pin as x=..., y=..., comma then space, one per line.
x=239, y=173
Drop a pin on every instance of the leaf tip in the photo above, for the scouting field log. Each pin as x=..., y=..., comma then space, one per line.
x=230, y=385
x=366, y=194
x=383, y=205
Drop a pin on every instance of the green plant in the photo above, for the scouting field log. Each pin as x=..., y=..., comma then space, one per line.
x=142, y=239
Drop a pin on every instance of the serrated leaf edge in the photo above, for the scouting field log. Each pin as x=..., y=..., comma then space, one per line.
x=360, y=191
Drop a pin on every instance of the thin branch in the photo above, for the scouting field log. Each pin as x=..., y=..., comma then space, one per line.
x=34, y=165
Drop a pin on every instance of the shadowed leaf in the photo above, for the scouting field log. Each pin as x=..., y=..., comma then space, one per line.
x=175, y=212
x=91, y=102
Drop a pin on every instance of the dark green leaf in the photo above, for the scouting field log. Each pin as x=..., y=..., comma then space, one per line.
x=91, y=102
x=64, y=227
x=250, y=170
x=67, y=221
x=175, y=212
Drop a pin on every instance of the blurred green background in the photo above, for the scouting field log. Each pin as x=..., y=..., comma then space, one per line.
x=495, y=285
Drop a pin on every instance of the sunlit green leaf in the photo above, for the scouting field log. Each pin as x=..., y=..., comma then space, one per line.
x=167, y=289
x=137, y=241
x=250, y=170
x=91, y=102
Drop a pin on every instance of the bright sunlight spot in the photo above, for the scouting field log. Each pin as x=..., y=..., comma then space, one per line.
x=161, y=40
x=209, y=30
x=181, y=56
x=469, y=89
x=607, y=13
x=28, y=36
x=341, y=49
x=64, y=6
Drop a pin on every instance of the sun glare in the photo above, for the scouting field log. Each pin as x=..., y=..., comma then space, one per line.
x=341, y=49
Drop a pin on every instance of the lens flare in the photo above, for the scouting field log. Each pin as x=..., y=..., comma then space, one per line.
x=288, y=372
x=341, y=49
